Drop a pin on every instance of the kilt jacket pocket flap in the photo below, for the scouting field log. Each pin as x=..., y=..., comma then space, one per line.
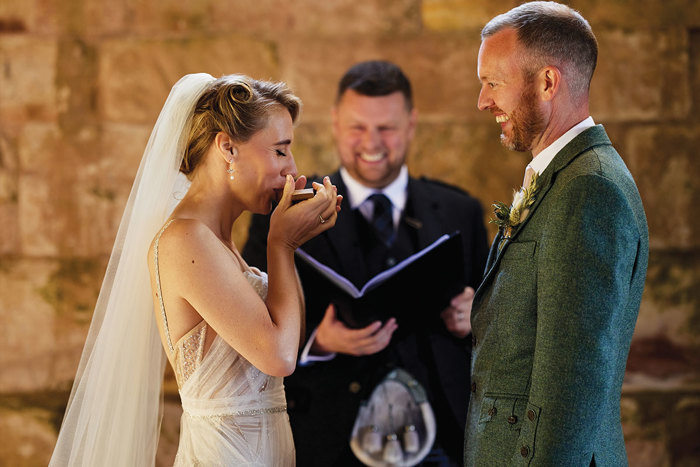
x=503, y=408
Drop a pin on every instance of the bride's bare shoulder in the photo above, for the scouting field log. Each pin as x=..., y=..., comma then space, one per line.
x=185, y=236
x=186, y=227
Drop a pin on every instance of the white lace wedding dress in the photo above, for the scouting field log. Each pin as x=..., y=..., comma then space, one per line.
x=233, y=414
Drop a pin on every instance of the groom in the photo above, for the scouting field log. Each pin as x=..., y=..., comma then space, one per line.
x=554, y=315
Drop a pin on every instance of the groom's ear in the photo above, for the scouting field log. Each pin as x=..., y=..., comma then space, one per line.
x=226, y=147
x=548, y=82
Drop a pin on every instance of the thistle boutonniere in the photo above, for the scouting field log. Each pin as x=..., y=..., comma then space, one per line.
x=509, y=217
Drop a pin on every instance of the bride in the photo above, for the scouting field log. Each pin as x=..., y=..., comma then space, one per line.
x=228, y=331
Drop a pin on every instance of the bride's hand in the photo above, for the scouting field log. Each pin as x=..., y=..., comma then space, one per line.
x=292, y=225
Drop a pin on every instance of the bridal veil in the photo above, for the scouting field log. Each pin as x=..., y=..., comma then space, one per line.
x=114, y=411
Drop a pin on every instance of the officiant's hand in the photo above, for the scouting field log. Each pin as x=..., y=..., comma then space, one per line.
x=333, y=336
x=457, y=316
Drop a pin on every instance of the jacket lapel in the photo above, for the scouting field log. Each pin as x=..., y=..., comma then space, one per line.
x=594, y=136
x=544, y=183
x=343, y=238
x=422, y=214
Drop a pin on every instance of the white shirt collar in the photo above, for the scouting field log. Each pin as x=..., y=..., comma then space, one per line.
x=396, y=191
x=542, y=160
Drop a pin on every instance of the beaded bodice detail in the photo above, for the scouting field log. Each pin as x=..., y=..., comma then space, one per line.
x=188, y=351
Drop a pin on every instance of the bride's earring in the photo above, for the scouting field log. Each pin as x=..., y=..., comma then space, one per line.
x=229, y=171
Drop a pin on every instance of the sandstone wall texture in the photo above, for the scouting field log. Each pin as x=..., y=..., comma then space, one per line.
x=82, y=81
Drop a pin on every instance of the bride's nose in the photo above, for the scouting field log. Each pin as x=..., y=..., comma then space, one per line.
x=291, y=167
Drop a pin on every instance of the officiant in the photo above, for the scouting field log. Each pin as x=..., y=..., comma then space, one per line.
x=387, y=215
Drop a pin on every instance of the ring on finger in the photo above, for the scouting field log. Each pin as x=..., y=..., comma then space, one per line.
x=323, y=221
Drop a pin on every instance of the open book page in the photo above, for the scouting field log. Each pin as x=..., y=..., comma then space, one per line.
x=414, y=290
x=330, y=274
x=349, y=287
x=384, y=275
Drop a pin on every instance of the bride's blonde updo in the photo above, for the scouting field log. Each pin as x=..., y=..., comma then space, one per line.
x=238, y=106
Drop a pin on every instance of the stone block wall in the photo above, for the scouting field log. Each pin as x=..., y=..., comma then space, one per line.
x=82, y=82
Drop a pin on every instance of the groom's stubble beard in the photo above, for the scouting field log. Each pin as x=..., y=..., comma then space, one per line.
x=527, y=122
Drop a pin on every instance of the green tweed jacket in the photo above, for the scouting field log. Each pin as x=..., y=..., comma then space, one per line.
x=553, y=318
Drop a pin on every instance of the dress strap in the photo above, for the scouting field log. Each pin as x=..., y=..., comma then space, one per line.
x=160, y=291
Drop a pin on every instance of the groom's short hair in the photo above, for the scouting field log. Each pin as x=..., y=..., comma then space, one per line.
x=552, y=34
x=376, y=78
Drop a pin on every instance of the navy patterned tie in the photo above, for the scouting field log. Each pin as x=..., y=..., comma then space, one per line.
x=382, y=219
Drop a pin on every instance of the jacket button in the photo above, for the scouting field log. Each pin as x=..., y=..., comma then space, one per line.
x=524, y=451
x=492, y=411
x=512, y=419
x=354, y=387
x=473, y=387
x=531, y=415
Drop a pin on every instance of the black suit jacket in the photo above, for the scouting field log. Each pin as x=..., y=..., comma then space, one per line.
x=323, y=397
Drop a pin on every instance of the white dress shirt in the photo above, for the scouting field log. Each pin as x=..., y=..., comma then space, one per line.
x=358, y=194
x=540, y=162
